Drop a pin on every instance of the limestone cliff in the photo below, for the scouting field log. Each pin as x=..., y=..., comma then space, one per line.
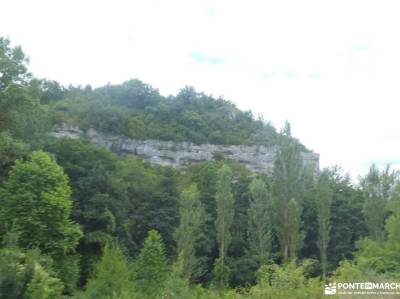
x=177, y=154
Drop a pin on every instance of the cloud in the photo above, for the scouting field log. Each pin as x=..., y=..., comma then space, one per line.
x=211, y=11
x=206, y=58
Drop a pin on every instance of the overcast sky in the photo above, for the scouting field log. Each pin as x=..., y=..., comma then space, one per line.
x=330, y=67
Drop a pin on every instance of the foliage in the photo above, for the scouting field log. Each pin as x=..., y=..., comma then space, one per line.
x=137, y=110
x=90, y=171
x=10, y=150
x=27, y=275
x=288, y=195
x=112, y=276
x=377, y=187
x=392, y=226
x=377, y=259
x=259, y=230
x=287, y=281
x=346, y=212
x=225, y=212
x=36, y=199
x=192, y=217
x=151, y=266
x=324, y=193
x=20, y=111
x=36, y=203
x=176, y=284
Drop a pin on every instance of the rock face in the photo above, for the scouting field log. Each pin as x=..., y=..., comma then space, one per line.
x=177, y=154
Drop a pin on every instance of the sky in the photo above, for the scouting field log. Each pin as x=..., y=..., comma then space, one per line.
x=329, y=67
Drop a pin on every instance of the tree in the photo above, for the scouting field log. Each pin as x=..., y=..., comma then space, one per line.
x=259, y=226
x=392, y=225
x=204, y=175
x=36, y=199
x=287, y=281
x=112, y=276
x=27, y=275
x=288, y=191
x=36, y=204
x=295, y=237
x=225, y=212
x=13, y=65
x=10, y=150
x=377, y=259
x=90, y=171
x=151, y=266
x=192, y=218
x=377, y=187
x=20, y=110
x=51, y=91
x=347, y=222
x=324, y=193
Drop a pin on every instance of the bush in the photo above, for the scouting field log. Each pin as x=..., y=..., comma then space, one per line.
x=27, y=275
x=286, y=282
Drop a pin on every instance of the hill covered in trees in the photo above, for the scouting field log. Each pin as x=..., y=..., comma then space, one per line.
x=79, y=221
x=138, y=111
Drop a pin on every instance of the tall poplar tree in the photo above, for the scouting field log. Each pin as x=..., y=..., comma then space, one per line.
x=259, y=223
x=324, y=195
x=288, y=192
x=377, y=187
x=192, y=218
x=225, y=212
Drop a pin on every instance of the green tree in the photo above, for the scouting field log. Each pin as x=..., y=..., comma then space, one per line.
x=347, y=221
x=377, y=259
x=27, y=275
x=225, y=212
x=192, y=218
x=13, y=65
x=377, y=187
x=175, y=285
x=324, y=194
x=112, y=276
x=296, y=236
x=259, y=226
x=287, y=281
x=392, y=225
x=90, y=170
x=288, y=187
x=36, y=198
x=35, y=201
x=204, y=175
x=20, y=110
x=151, y=266
x=10, y=150
x=43, y=286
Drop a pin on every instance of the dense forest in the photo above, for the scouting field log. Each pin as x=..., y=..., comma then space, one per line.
x=79, y=221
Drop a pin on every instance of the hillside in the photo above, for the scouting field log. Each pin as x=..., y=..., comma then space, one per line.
x=137, y=111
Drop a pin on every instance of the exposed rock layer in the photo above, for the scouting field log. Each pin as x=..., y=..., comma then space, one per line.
x=256, y=158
